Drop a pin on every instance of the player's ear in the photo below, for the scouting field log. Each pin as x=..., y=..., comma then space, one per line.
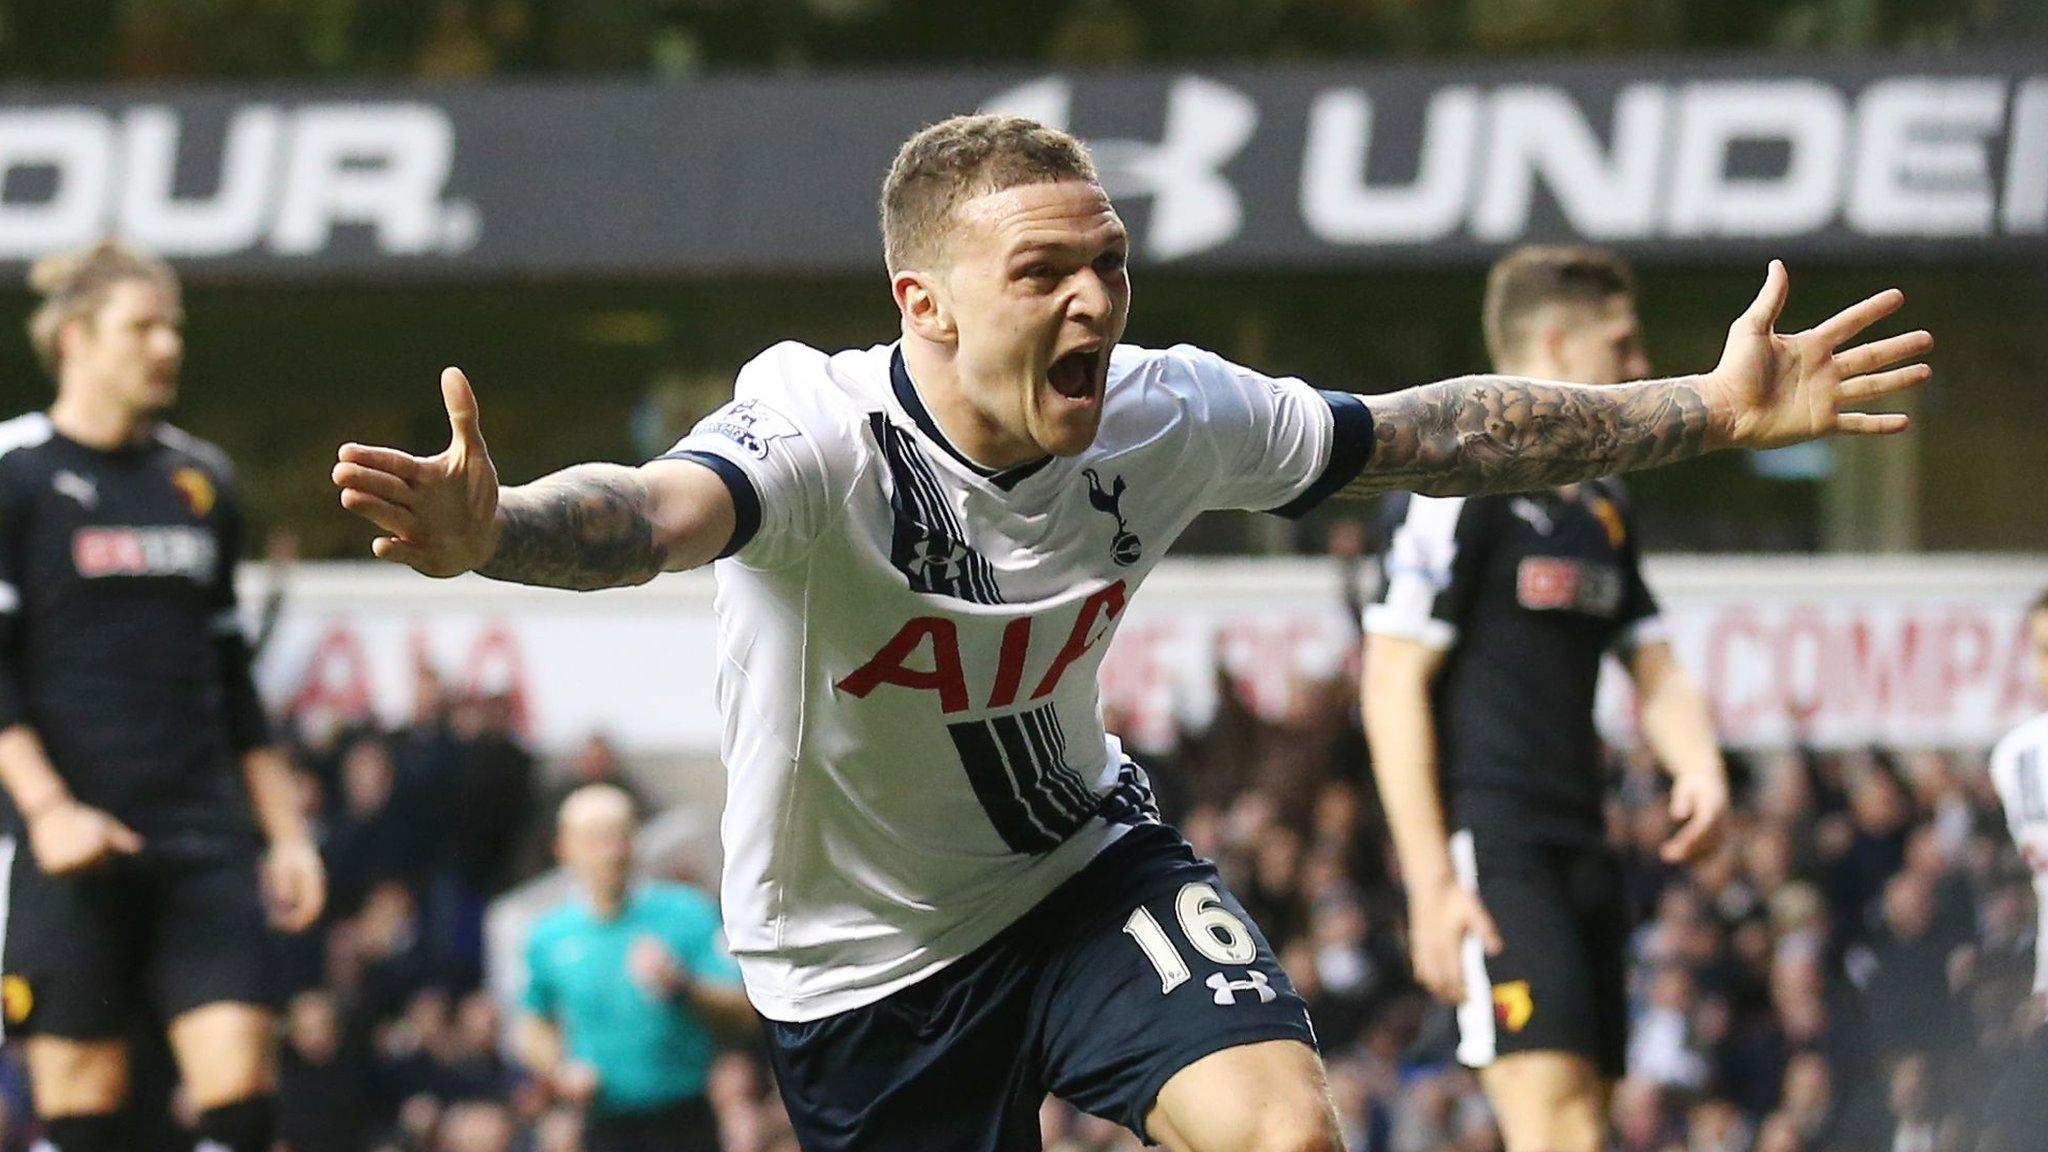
x=1547, y=342
x=71, y=336
x=925, y=311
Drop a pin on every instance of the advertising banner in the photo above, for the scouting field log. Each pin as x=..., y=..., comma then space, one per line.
x=1836, y=652
x=1331, y=165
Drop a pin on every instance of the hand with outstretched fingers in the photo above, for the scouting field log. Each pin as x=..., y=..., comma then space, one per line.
x=1772, y=389
x=438, y=513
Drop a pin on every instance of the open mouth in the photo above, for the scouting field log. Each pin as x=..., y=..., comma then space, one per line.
x=1073, y=375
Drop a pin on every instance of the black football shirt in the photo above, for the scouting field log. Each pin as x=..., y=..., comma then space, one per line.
x=1525, y=594
x=119, y=640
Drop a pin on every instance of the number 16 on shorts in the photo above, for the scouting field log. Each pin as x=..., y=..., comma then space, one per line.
x=1215, y=933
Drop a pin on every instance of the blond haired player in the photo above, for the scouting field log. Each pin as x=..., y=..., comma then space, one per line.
x=150, y=817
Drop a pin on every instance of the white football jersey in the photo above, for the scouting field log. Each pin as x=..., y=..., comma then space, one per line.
x=2019, y=769
x=909, y=645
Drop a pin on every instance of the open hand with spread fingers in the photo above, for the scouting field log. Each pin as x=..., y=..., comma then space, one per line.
x=438, y=513
x=1772, y=389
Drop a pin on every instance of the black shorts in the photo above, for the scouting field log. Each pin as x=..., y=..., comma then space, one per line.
x=1135, y=968
x=685, y=1126
x=1560, y=983
x=89, y=957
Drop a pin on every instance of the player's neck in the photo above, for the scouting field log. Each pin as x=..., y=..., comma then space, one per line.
x=607, y=901
x=936, y=377
x=98, y=424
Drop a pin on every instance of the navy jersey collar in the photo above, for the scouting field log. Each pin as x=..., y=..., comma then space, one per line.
x=906, y=395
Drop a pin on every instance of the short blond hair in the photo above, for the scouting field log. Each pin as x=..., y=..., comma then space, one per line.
x=958, y=159
x=76, y=284
x=1536, y=276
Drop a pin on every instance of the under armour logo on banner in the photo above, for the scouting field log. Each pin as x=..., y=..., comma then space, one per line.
x=1194, y=205
x=1226, y=989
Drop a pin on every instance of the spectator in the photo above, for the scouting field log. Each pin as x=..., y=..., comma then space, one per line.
x=365, y=841
x=322, y=1102
x=1906, y=976
x=476, y=1126
x=627, y=986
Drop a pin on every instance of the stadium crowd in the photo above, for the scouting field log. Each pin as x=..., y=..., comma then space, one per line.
x=1843, y=974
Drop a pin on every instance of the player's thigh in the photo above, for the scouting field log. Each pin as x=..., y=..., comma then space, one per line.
x=212, y=974
x=1547, y=1101
x=226, y=1052
x=76, y=1077
x=945, y=1063
x=1270, y=1096
x=1154, y=982
x=1540, y=992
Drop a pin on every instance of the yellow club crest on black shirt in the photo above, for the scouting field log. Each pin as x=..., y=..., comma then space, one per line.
x=1513, y=1005
x=197, y=489
x=1609, y=516
x=16, y=999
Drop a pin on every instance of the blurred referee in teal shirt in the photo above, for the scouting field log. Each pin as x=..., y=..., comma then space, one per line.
x=628, y=985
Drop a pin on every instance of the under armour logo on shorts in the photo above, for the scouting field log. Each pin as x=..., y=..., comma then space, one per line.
x=1227, y=989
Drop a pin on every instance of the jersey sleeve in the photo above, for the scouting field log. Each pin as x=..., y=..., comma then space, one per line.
x=775, y=449
x=541, y=997
x=1281, y=446
x=1430, y=571
x=1641, y=619
x=248, y=726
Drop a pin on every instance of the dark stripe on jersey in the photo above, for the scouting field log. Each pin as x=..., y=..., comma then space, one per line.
x=1017, y=767
x=746, y=500
x=1129, y=801
x=927, y=543
x=998, y=792
x=1350, y=452
x=1045, y=722
x=906, y=395
x=1029, y=768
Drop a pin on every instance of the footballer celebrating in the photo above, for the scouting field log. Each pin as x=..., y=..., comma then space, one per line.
x=133, y=749
x=946, y=886
x=1483, y=656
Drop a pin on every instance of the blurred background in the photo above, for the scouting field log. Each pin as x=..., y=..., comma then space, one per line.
x=600, y=208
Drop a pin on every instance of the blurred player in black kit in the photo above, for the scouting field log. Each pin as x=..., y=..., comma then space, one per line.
x=152, y=828
x=1482, y=655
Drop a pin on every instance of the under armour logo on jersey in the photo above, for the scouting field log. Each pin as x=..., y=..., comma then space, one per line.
x=1125, y=548
x=939, y=560
x=1226, y=989
x=1533, y=512
x=77, y=487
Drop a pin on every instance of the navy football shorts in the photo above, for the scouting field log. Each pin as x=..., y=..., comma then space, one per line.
x=1137, y=967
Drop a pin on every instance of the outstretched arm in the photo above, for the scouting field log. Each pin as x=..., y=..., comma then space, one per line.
x=1481, y=434
x=587, y=527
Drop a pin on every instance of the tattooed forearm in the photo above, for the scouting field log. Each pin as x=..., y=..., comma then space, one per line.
x=1481, y=434
x=584, y=528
